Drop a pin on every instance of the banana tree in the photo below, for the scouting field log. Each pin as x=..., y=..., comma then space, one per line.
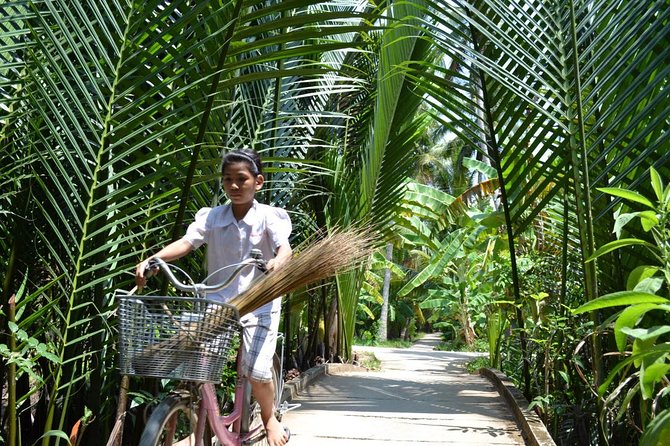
x=565, y=96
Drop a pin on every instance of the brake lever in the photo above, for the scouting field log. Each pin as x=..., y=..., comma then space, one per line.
x=152, y=268
x=261, y=264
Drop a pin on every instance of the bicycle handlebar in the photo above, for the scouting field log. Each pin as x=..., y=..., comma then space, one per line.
x=256, y=259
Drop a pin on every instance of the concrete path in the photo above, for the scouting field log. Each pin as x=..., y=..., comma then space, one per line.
x=420, y=396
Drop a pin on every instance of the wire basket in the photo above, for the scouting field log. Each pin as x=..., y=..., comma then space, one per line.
x=182, y=338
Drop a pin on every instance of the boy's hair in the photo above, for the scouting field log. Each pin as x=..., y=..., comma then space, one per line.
x=250, y=157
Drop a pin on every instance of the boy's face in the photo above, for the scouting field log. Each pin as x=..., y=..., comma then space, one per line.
x=240, y=184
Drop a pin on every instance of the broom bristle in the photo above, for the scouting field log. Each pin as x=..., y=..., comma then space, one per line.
x=336, y=253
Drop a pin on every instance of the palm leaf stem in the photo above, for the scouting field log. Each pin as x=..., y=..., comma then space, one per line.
x=580, y=170
x=204, y=121
x=564, y=247
x=93, y=194
x=11, y=379
x=278, y=87
x=494, y=154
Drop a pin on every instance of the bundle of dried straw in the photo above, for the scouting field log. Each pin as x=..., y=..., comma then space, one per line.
x=335, y=253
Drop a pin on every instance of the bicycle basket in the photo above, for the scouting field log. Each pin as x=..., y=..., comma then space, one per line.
x=182, y=338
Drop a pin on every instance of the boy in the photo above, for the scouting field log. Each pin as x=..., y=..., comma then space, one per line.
x=230, y=232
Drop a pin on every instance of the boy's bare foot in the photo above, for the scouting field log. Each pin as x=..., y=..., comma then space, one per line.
x=275, y=433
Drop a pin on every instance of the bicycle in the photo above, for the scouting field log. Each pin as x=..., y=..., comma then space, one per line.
x=188, y=339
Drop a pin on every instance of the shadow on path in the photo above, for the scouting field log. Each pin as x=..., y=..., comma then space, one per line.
x=420, y=396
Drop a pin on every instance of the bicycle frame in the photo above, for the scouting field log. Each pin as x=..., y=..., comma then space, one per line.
x=208, y=406
x=208, y=411
x=227, y=428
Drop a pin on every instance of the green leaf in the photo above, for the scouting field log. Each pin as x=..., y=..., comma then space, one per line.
x=366, y=310
x=650, y=285
x=639, y=274
x=628, y=195
x=617, y=244
x=621, y=221
x=653, y=352
x=51, y=357
x=649, y=220
x=630, y=394
x=479, y=166
x=436, y=303
x=448, y=251
x=645, y=334
x=58, y=434
x=656, y=184
x=657, y=431
x=650, y=376
x=628, y=319
x=643, y=353
x=493, y=220
x=618, y=299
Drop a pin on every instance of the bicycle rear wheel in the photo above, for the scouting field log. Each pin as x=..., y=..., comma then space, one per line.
x=172, y=423
x=251, y=411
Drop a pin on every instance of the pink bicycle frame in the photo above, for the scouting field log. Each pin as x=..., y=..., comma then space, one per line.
x=209, y=410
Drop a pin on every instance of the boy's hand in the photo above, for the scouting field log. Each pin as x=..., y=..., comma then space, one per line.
x=272, y=264
x=143, y=271
x=277, y=263
x=284, y=254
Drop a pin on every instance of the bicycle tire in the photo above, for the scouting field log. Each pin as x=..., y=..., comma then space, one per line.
x=251, y=412
x=174, y=411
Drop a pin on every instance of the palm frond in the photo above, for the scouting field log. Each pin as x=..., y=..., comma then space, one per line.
x=112, y=117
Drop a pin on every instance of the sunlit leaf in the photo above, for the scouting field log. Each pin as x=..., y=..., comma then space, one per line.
x=640, y=273
x=657, y=431
x=449, y=249
x=628, y=195
x=645, y=334
x=650, y=285
x=656, y=184
x=618, y=299
x=651, y=376
x=649, y=220
x=629, y=318
x=486, y=169
x=618, y=244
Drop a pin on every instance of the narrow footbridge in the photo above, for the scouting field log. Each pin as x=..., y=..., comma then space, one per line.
x=421, y=396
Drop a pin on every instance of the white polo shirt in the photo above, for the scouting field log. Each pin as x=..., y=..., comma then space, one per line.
x=230, y=241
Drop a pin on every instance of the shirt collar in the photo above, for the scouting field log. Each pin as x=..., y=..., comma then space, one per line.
x=249, y=218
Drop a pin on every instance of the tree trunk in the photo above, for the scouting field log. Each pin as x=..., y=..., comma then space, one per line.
x=382, y=334
x=288, y=344
x=333, y=330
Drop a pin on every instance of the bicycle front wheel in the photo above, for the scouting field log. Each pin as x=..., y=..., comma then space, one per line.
x=172, y=423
